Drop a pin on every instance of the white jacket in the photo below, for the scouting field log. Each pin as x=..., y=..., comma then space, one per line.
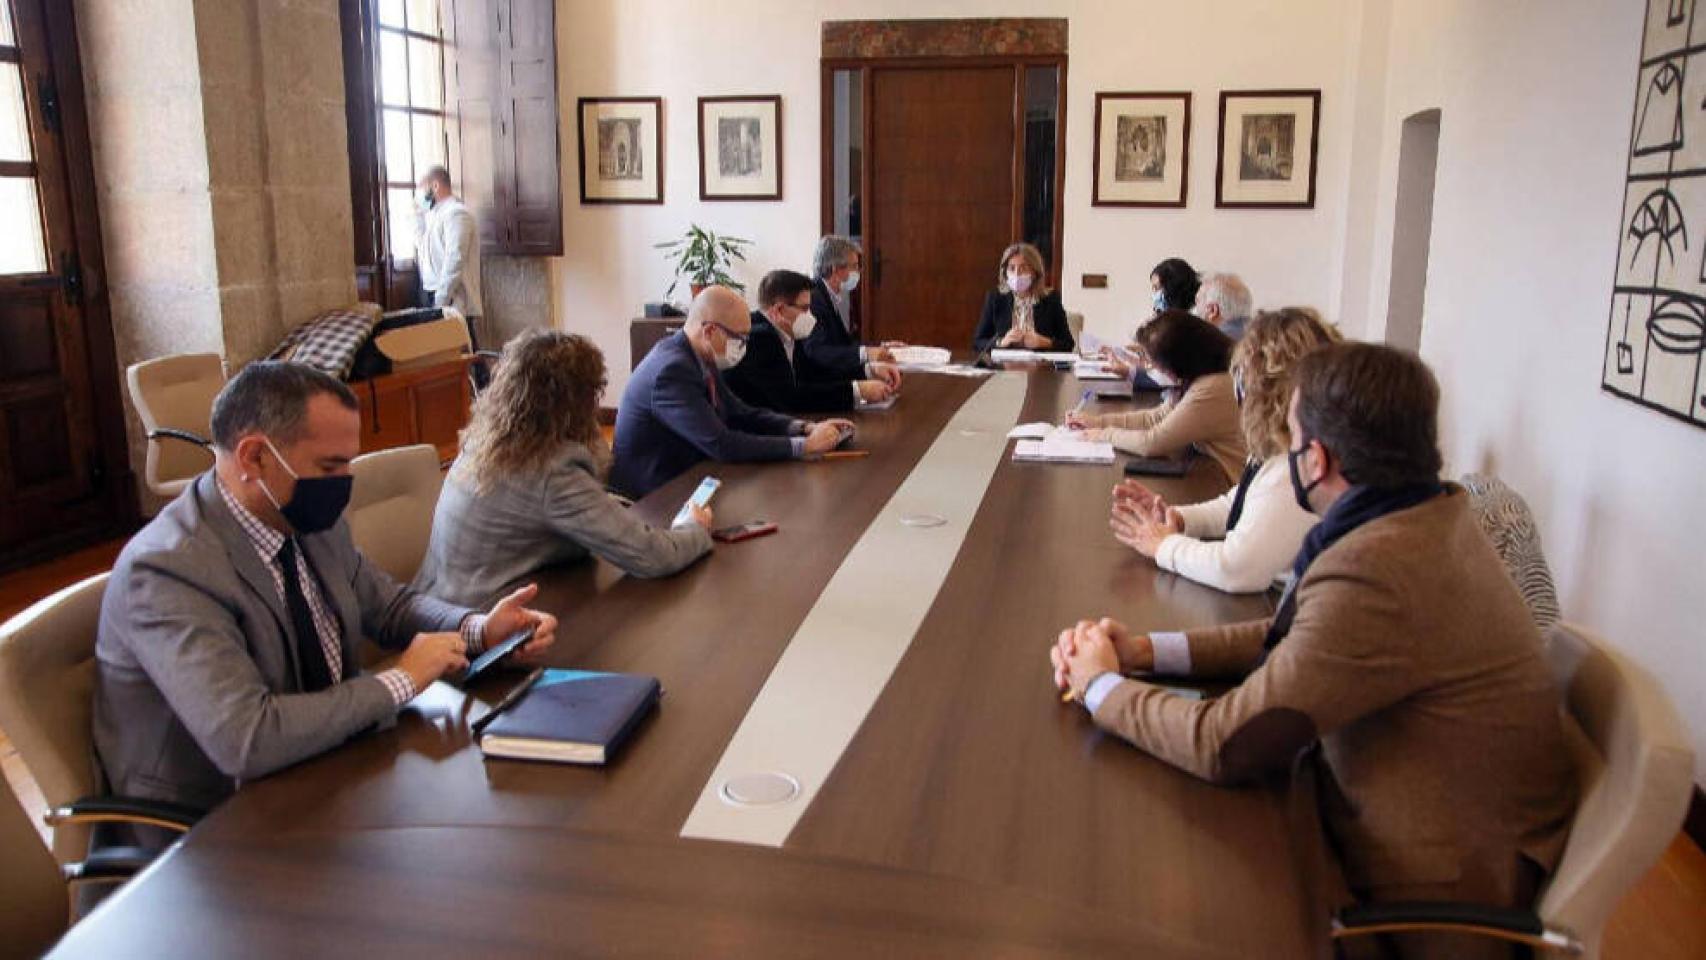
x=1259, y=550
x=447, y=250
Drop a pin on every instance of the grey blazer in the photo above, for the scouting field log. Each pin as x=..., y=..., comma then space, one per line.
x=483, y=543
x=195, y=675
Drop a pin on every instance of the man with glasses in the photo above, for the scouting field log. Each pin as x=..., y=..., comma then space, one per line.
x=778, y=373
x=677, y=409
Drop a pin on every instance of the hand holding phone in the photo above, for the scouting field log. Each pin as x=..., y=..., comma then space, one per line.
x=701, y=497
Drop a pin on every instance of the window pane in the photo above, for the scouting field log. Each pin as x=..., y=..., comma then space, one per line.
x=399, y=165
x=1042, y=92
x=393, y=69
x=849, y=153
x=14, y=125
x=7, y=39
x=401, y=217
x=391, y=13
x=423, y=16
x=426, y=77
x=20, y=227
x=429, y=143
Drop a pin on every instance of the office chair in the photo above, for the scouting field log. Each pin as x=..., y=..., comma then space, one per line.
x=174, y=399
x=47, y=679
x=1636, y=772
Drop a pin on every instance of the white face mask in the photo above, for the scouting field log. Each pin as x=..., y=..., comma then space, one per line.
x=1019, y=282
x=852, y=281
x=1160, y=300
x=733, y=352
x=804, y=323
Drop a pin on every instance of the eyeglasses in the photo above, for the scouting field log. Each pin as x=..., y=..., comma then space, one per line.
x=742, y=337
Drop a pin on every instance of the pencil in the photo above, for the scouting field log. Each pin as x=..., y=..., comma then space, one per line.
x=846, y=454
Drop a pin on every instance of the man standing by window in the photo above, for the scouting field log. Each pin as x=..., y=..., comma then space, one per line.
x=447, y=248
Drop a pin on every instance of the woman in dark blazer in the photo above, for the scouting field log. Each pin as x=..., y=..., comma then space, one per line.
x=1022, y=313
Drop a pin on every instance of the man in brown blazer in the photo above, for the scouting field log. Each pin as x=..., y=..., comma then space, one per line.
x=1404, y=649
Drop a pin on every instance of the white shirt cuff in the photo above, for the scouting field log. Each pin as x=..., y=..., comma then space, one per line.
x=1172, y=654
x=1099, y=690
x=864, y=354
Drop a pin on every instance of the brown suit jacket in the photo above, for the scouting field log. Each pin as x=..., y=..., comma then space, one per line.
x=1206, y=417
x=1415, y=663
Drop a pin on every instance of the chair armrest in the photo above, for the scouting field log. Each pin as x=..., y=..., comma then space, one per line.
x=109, y=865
x=157, y=813
x=1504, y=923
x=168, y=433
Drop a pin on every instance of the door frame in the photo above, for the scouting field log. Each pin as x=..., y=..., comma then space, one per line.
x=867, y=67
x=111, y=451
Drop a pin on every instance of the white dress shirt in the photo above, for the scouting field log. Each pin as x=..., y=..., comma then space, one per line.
x=447, y=250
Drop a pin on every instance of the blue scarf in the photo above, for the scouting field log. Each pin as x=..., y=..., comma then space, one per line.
x=1358, y=505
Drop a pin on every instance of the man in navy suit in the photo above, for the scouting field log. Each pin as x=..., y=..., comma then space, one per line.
x=678, y=409
x=778, y=374
x=834, y=343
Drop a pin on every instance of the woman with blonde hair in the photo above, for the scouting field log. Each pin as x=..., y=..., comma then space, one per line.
x=1241, y=541
x=1022, y=313
x=527, y=490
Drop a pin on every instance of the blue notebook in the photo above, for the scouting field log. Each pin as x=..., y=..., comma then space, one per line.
x=572, y=716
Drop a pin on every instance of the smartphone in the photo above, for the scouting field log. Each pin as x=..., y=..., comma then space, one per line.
x=496, y=653
x=743, y=531
x=701, y=497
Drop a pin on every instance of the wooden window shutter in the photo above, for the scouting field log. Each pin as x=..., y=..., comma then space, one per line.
x=501, y=83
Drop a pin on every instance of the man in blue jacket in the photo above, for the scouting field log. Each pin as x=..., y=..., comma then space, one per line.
x=677, y=408
x=778, y=373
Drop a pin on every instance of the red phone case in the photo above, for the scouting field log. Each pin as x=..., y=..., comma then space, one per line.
x=743, y=532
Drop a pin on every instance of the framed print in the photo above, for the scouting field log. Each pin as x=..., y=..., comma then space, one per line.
x=740, y=148
x=1142, y=149
x=1268, y=148
x=621, y=149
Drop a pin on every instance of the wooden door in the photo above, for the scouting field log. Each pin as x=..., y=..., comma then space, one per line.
x=942, y=199
x=59, y=421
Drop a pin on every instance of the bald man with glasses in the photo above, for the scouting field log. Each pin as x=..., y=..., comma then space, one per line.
x=678, y=410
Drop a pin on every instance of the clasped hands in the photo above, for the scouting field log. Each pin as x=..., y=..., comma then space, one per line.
x=1089, y=649
x=1026, y=339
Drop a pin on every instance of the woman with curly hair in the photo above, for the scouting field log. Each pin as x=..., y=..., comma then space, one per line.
x=1238, y=542
x=527, y=490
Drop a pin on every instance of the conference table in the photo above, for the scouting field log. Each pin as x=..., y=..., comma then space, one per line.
x=968, y=813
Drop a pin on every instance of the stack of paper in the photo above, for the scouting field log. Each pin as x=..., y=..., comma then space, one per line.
x=916, y=356
x=1063, y=450
x=1089, y=346
x=1031, y=356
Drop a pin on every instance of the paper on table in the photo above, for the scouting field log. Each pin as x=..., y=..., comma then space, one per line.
x=879, y=404
x=1093, y=370
x=1089, y=345
x=1031, y=356
x=915, y=356
x=962, y=370
x=1055, y=450
x=1031, y=431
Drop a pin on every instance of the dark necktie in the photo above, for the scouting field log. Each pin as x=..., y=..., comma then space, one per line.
x=711, y=388
x=310, y=655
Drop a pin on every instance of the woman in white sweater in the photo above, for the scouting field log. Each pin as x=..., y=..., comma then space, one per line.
x=1241, y=541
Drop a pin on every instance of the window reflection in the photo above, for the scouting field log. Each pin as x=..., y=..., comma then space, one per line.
x=1042, y=114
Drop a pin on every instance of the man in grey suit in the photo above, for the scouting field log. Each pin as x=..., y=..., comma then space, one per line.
x=228, y=635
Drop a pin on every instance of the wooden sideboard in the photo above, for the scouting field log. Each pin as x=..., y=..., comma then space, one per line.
x=644, y=334
x=427, y=404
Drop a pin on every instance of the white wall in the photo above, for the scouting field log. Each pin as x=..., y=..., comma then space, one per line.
x=1535, y=103
x=682, y=51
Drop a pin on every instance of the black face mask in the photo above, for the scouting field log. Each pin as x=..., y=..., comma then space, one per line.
x=1298, y=490
x=316, y=503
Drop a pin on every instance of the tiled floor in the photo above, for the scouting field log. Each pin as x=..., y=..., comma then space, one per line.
x=1663, y=918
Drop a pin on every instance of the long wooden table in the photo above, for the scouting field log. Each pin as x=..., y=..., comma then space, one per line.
x=973, y=814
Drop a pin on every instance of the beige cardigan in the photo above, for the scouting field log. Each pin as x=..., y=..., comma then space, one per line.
x=1206, y=417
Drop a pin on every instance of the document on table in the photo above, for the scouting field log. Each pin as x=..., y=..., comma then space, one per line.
x=921, y=358
x=1063, y=450
x=1093, y=370
x=1090, y=346
x=962, y=370
x=1031, y=431
x=879, y=404
x=1031, y=356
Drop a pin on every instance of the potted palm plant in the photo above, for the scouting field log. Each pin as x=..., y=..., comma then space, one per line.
x=703, y=258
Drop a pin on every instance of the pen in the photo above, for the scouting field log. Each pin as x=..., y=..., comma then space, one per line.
x=1083, y=400
x=846, y=454
x=509, y=700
